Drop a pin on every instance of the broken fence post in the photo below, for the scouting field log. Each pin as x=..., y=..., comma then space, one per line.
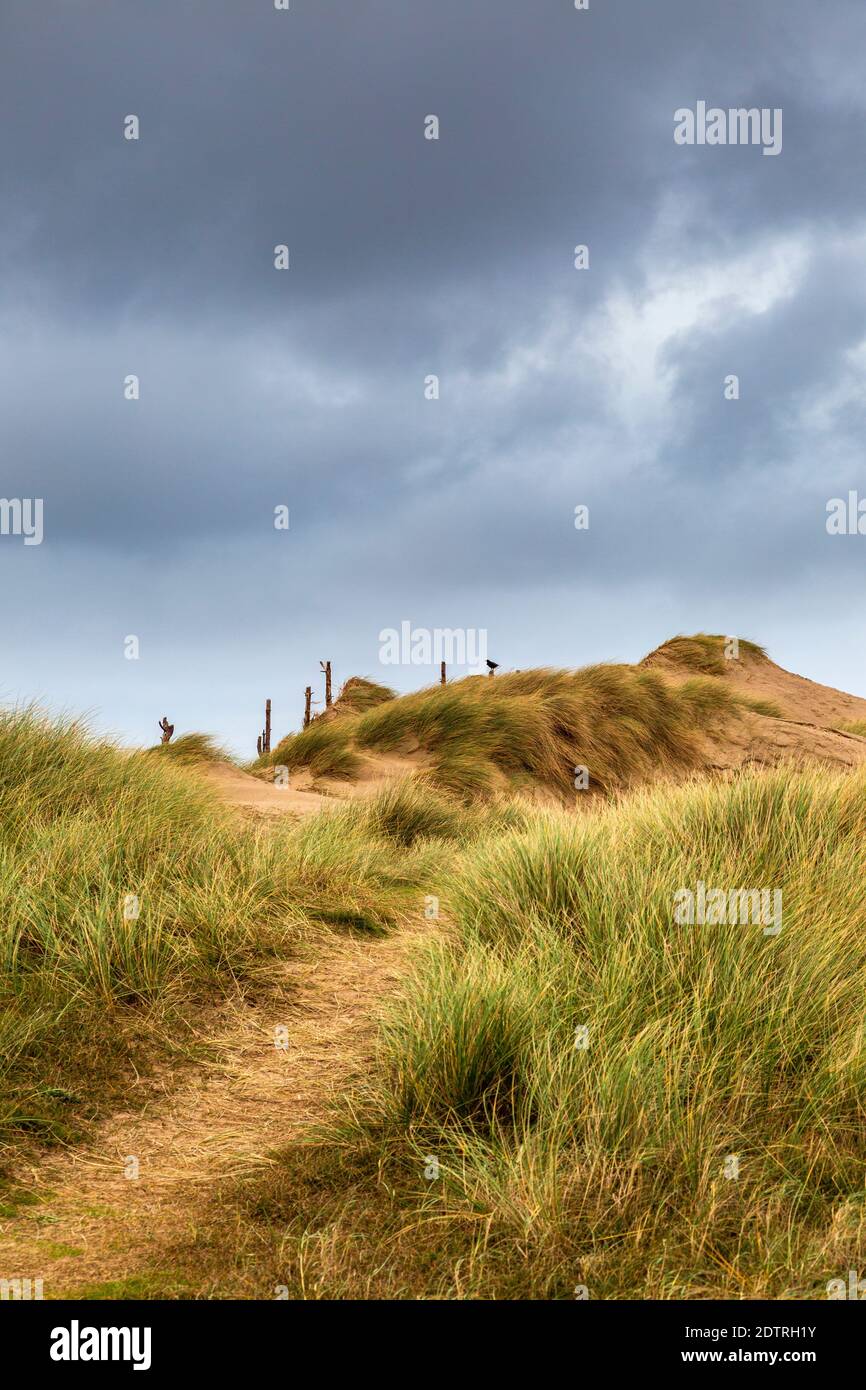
x=326, y=667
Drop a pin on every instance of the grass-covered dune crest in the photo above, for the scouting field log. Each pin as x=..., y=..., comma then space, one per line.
x=706, y=653
x=523, y=730
x=191, y=749
x=698, y=703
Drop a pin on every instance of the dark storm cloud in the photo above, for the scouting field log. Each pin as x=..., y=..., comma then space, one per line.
x=305, y=127
x=411, y=257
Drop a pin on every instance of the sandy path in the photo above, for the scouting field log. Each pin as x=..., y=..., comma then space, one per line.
x=304, y=793
x=193, y=1125
x=203, y=1123
x=240, y=789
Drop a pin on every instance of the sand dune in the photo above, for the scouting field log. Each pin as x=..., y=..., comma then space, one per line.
x=809, y=729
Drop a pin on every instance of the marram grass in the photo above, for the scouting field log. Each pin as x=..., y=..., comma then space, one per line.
x=191, y=749
x=128, y=897
x=618, y=1102
x=537, y=727
x=523, y=730
x=323, y=748
x=705, y=652
x=572, y=1089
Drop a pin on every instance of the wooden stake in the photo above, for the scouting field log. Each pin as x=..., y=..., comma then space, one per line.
x=442, y=673
x=266, y=742
x=326, y=667
x=259, y=745
x=308, y=700
x=167, y=729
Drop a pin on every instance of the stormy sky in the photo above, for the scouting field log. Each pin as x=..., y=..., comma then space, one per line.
x=410, y=257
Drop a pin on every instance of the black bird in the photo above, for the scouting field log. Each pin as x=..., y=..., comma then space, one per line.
x=492, y=665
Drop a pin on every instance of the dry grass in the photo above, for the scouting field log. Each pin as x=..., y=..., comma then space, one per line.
x=535, y=728
x=604, y=1166
x=476, y=1151
x=202, y=1135
x=191, y=749
x=324, y=747
x=704, y=652
x=526, y=730
x=129, y=897
x=358, y=694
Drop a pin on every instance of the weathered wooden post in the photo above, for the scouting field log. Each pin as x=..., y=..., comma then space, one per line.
x=167, y=729
x=259, y=745
x=308, y=700
x=326, y=667
x=442, y=673
x=266, y=741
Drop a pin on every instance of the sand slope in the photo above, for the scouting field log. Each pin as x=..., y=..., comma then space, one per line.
x=809, y=730
x=240, y=789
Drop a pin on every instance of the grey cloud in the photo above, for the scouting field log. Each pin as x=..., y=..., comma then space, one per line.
x=408, y=258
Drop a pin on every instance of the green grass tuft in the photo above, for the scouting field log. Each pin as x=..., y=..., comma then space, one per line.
x=359, y=694
x=191, y=749
x=408, y=811
x=705, y=652
x=323, y=747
